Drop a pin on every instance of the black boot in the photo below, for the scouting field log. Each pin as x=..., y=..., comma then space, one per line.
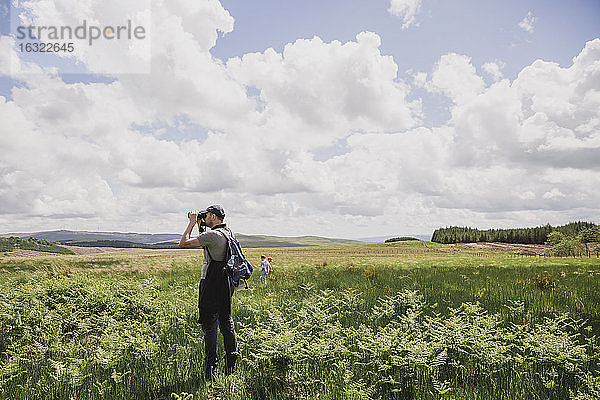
x=230, y=363
x=209, y=372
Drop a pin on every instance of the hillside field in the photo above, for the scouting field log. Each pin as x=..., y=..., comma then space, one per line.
x=405, y=320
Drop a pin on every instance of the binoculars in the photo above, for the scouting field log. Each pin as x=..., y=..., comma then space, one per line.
x=200, y=221
x=201, y=216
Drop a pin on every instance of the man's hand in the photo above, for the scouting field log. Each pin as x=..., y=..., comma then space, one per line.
x=193, y=216
x=186, y=242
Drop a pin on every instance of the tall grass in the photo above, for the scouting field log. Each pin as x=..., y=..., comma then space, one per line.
x=406, y=321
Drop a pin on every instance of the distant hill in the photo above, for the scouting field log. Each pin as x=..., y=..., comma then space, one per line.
x=140, y=240
x=298, y=241
x=122, y=244
x=65, y=235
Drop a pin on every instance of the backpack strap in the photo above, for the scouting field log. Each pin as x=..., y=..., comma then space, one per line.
x=227, y=233
x=232, y=241
x=228, y=239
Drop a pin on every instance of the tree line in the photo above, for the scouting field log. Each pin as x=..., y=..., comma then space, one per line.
x=400, y=239
x=536, y=235
x=584, y=243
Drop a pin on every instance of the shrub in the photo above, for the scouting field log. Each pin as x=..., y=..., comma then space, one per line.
x=545, y=281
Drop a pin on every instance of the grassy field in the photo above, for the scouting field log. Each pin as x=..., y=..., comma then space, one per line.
x=408, y=320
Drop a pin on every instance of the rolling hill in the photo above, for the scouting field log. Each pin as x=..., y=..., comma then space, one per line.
x=66, y=235
x=130, y=239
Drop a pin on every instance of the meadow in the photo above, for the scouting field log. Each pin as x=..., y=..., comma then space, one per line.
x=406, y=320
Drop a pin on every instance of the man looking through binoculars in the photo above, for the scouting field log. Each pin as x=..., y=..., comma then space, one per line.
x=214, y=299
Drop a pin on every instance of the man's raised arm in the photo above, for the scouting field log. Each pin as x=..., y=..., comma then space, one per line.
x=186, y=242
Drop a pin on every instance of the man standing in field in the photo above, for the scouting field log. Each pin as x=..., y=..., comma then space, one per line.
x=214, y=300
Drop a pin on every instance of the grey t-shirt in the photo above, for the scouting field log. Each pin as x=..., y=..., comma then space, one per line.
x=216, y=244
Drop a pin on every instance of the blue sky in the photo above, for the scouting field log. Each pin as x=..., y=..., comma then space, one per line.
x=485, y=30
x=364, y=118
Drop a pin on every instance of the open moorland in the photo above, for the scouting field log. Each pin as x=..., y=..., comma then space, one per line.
x=405, y=320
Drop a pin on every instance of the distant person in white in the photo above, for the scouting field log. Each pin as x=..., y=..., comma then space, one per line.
x=265, y=268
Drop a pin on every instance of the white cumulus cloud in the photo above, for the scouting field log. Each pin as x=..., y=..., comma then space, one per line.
x=494, y=69
x=323, y=90
x=538, y=135
x=405, y=10
x=528, y=22
x=455, y=76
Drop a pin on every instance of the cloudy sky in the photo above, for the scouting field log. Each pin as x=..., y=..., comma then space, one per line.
x=336, y=118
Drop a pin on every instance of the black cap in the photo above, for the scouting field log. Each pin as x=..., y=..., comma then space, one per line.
x=216, y=209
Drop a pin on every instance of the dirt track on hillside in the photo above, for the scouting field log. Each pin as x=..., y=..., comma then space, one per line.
x=97, y=250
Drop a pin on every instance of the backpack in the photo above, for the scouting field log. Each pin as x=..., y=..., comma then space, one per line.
x=237, y=268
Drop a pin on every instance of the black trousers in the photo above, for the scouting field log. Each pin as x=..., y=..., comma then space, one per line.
x=209, y=320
